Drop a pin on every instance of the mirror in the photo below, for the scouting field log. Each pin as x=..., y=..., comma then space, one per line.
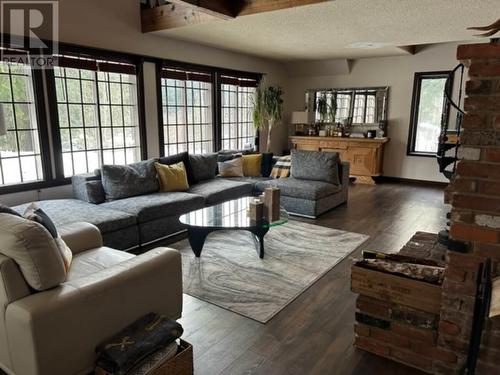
x=361, y=109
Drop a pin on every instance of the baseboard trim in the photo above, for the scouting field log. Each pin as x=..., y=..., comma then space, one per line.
x=401, y=180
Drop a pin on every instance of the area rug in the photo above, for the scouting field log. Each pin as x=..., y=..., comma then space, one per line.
x=231, y=275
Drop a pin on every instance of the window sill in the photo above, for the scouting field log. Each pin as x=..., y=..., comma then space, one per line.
x=19, y=188
x=421, y=154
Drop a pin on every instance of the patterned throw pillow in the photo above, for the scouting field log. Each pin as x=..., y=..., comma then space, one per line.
x=34, y=213
x=282, y=167
x=231, y=168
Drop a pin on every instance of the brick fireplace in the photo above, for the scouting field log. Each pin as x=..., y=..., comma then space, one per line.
x=474, y=196
x=429, y=326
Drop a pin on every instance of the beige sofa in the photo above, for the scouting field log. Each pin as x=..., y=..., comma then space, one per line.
x=56, y=331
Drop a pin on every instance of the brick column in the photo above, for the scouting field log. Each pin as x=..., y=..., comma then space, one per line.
x=475, y=216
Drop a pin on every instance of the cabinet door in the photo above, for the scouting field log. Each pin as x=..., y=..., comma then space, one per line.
x=363, y=161
x=343, y=153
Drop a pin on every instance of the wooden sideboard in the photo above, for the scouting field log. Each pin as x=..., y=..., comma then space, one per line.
x=365, y=155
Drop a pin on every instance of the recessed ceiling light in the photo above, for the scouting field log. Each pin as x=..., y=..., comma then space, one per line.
x=368, y=45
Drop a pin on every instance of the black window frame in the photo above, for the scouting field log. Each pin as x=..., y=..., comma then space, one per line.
x=415, y=105
x=184, y=73
x=43, y=134
x=239, y=81
x=100, y=54
x=217, y=74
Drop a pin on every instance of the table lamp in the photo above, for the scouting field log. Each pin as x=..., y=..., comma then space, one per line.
x=299, y=119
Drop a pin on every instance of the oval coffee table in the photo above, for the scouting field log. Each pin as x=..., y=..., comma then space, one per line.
x=230, y=215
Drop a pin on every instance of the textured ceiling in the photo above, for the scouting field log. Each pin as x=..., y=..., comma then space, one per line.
x=326, y=30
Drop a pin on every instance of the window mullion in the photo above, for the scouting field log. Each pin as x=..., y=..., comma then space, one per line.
x=84, y=130
x=99, y=121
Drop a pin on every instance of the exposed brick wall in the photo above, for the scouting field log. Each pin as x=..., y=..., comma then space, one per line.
x=475, y=216
x=402, y=333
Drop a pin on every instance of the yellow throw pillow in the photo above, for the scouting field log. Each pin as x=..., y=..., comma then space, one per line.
x=172, y=177
x=252, y=165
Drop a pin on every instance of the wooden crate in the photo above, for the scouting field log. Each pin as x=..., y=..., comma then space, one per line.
x=396, y=289
x=180, y=364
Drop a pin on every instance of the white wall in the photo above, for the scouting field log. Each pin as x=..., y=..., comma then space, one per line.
x=398, y=73
x=115, y=25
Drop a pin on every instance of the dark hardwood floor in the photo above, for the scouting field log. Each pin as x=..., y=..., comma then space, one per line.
x=314, y=334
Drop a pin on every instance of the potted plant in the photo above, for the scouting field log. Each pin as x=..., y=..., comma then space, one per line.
x=268, y=109
x=327, y=107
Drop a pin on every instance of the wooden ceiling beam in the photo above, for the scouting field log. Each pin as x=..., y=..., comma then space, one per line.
x=178, y=13
x=248, y=7
x=224, y=9
x=171, y=16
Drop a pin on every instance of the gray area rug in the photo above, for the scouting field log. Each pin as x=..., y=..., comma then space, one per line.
x=231, y=275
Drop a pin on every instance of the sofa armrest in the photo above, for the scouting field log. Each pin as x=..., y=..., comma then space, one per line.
x=88, y=188
x=56, y=332
x=81, y=236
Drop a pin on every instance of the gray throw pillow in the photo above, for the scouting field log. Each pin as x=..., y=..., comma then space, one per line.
x=203, y=166
x=315, y=165
x=122, y=181
x=7, y=210
x=95, y=192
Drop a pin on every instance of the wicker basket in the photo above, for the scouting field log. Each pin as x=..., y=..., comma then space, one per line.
x=180, y=364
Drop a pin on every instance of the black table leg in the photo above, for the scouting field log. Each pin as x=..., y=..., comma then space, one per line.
x=260, y=233
x=196, y=237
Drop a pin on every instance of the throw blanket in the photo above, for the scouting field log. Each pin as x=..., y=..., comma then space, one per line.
x=136, y=342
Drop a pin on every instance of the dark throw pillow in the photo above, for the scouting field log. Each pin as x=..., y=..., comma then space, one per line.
x=203, y=166
x=7, y=210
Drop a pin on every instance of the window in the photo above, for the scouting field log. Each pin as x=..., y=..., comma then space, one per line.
x=98, y=114
x=20, y=150
x=343, y=106
x=236, y=95
x=187, y=111
x=364, y=108
x=429, y=111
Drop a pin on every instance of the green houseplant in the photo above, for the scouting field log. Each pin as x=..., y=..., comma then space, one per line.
x=327, y=107
x=268, y=109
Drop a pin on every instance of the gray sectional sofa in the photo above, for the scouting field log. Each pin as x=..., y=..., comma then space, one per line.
x=127, y=222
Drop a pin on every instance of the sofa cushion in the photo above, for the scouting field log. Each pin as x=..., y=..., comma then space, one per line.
x=34, y=250
x=292, y=187
x=91, y=261
x=222, y=189
x=122, y=181
x=203, y=167
x=231, y=168
x=252, y=165
x=68, y=211
x=315, y=165
x=88, y=188
x=172, y=177
x=282, y=167
x=33, y=212
x=7, y=210
x=177, y=158
x=153, y=206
